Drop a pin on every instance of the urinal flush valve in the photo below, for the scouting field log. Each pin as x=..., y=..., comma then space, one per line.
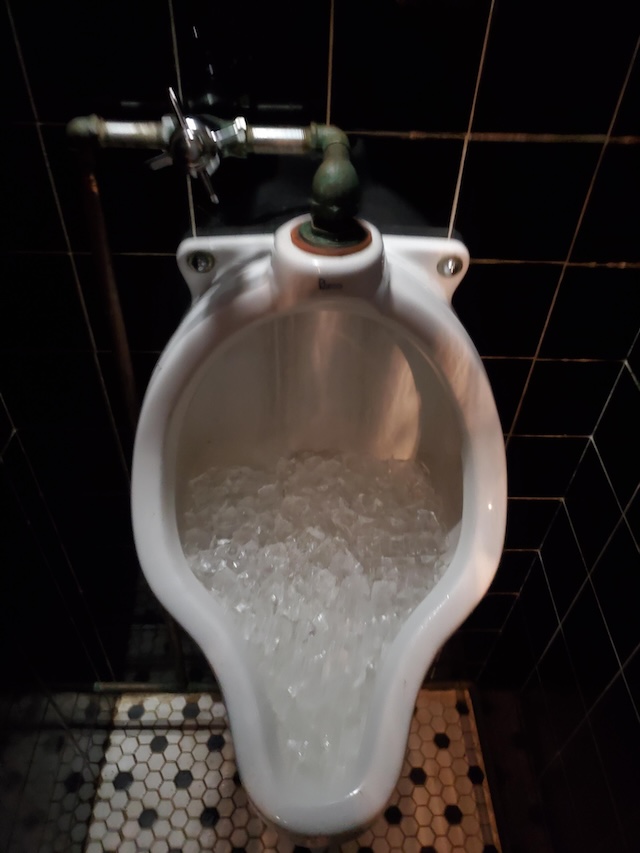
x=198, y=143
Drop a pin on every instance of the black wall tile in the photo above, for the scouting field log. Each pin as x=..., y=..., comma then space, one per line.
x=41, y=308
x=537, y=720
x=542, y=467
x=528, y=521
x=593, y=805
x=59, y=388
x=632, y=676
x=66, y=460
x=101, y=55
x=422, y=173
x=563, y=563
x=153, y=296
x=251, y=65
x=404, y=75
x=560, y=687
x=539, y=615
x=512, y=571
x=522, y=201
x=565, y=397
x=617, y=732
x=558, y=809
x=542, y=78
x=6, y=427
x=632, y=516
x=616, y=580
x=31, y=222
x=592, y=507
x=627, y=121
x=507, y=377
x=471, y=646
x=595, y=315
x=609, y=230
x=16, y=105
x=504, y=306
x=589, y=646
x=633, y=359
x=491, y=613
x=617, y=437
x=511, y=660
x=41, y=589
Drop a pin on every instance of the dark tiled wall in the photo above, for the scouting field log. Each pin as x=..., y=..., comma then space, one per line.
x=470, y=115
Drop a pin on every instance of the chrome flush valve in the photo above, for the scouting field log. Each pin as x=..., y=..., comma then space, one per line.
x=193, y=145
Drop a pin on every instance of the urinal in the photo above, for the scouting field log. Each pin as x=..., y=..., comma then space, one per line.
x=289, y=348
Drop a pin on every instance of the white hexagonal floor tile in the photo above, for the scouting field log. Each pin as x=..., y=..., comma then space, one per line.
x=442, y=798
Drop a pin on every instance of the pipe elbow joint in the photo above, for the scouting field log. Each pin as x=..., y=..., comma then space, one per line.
x=335, y=189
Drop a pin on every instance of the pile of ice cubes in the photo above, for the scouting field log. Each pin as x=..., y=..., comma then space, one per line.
x=319, y=560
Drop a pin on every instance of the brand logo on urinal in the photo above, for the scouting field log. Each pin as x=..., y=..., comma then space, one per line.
x=323, y=284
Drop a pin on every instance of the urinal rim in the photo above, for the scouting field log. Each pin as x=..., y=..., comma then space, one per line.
x=475, y=559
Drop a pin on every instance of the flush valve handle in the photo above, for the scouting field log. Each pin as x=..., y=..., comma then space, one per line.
x=192, y=144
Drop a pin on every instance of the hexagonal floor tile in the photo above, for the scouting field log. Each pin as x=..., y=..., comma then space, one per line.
x=169, y=781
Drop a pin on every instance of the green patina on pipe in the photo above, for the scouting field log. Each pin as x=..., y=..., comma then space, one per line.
x=335, y=191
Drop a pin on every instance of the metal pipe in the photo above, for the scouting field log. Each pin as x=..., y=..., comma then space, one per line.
x=120, y=134
x=107, y=286
x=279, y=140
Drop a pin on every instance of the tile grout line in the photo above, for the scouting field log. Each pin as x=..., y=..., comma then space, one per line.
x=332, y=9
x=489, y=137
x=465, y=144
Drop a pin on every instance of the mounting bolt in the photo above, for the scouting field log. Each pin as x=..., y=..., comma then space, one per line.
x=448, y=267
x=201, y=261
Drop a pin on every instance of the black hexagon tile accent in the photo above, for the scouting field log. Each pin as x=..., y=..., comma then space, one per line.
x=209, y=816
x=183, y=779
x=441, y=740
x=123, y=781
x=453, y=815
x=135, y=712
x=147, y=818
x=476, y=774
x=215, y=743
x=190, y=711
x=393, y=815
x=418, y=776
x=158, y=744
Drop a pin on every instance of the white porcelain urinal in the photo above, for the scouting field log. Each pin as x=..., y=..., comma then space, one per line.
x=287, y=350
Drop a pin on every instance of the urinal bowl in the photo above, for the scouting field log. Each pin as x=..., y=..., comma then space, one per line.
x=284, y=351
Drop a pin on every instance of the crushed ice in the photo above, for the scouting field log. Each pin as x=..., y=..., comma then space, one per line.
x=319, y=559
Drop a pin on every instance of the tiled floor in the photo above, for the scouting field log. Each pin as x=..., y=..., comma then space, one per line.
x=163, y=779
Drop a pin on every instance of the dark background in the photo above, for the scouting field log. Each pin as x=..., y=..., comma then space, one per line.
x=519, y=125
